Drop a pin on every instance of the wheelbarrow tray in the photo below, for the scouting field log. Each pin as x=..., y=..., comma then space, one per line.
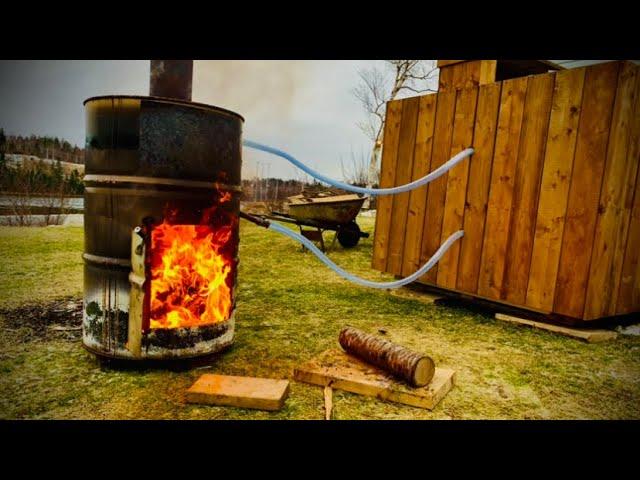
x=340, y=209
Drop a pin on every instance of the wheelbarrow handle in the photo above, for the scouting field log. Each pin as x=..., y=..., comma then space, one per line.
x=262, y=222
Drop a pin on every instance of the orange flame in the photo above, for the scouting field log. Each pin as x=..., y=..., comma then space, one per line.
x=190, y=275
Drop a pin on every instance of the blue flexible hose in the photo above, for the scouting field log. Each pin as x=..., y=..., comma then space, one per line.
x=361, y=281
x=367, y=191
x=441, y=170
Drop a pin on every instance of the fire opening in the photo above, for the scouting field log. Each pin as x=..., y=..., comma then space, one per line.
x=191, y=270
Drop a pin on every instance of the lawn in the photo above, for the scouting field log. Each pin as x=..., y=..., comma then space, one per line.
x=290, y=307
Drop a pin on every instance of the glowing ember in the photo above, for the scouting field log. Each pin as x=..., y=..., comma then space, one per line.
x=190, y=275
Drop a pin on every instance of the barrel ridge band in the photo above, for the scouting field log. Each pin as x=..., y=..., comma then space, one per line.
x=161, y=181
x=110, y=261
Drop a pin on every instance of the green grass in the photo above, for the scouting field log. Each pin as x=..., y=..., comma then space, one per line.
x=39, y=262
x=290, y=307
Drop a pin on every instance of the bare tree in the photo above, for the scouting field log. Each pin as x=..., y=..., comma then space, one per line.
x=379, y=86
x=355, y=171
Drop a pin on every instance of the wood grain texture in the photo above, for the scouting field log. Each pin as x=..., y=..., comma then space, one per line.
x=460, y=76
x=557, y=177
x=527, y=186
x=404, y=170
x=434, y=211
x=328, y=402
x=243, y=392
x=387, y=179
x=629, y=291
x=418, y=197
x=584, y=192
x=478, y=187
x=457, y=178
x=605, y=270
x=445, y=80
x=444, y=63
x=554, y=190
x=499, y=206
x=345, y=372
x=633, y=157
x=488, y=71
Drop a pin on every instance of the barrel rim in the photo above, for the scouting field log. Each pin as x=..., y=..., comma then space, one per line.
x=175, y=101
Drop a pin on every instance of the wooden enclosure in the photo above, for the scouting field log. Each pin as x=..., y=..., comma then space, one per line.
x=548, y=201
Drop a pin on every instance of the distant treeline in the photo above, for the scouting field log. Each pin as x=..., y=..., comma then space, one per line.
x=36, y=178
x=44, y=147
x=270, y=189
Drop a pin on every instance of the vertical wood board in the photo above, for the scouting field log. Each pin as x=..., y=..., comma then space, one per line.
x=554, y=190
x=418, y=197
x=387, y=179
x=478, y=187
x=453, y=218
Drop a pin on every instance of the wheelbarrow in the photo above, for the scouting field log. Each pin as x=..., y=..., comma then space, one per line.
x=335, y=213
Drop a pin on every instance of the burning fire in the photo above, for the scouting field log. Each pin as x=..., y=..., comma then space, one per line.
x=190, y=274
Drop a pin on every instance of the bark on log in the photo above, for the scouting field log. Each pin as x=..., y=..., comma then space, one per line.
x=415, y=368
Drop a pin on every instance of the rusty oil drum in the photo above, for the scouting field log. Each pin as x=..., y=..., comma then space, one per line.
x=142, y=155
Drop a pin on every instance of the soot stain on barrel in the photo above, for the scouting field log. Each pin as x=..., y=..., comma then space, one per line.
x=97, y=319
x=168, y=134
x=174, y=338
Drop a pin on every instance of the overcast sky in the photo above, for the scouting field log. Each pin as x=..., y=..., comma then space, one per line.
x=304, y=107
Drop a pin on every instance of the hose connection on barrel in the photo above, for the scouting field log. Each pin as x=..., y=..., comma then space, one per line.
x=438, y=172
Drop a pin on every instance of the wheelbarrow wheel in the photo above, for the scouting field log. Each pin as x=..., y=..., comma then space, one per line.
x=349, y=235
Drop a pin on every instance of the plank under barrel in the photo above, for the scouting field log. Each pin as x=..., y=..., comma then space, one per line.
x=416, y=368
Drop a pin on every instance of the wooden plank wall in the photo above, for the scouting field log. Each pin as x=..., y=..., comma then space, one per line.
x=548, y=202
x=460, y=74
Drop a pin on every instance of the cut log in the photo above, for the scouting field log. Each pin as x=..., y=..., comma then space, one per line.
x=415, y=368
x=341, y=371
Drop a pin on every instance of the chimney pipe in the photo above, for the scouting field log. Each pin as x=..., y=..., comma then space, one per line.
x=171, y=79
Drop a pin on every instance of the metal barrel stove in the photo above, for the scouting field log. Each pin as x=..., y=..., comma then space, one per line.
x=152, y=161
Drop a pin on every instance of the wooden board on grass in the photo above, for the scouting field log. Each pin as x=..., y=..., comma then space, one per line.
x=243, y=392
x=589, y=335
x=345, y=372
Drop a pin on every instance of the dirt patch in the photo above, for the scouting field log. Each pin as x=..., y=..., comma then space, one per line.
x=55, y=319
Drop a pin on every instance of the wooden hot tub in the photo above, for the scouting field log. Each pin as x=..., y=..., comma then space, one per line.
x=549, y=202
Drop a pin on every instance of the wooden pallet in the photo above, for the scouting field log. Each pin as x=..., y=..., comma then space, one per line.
x=341, y=371
x=448, y=298
x=588, y=335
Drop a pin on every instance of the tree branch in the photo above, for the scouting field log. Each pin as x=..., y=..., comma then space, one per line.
x=377, y=88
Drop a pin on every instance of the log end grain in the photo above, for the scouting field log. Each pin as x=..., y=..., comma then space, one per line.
x=425, y=369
